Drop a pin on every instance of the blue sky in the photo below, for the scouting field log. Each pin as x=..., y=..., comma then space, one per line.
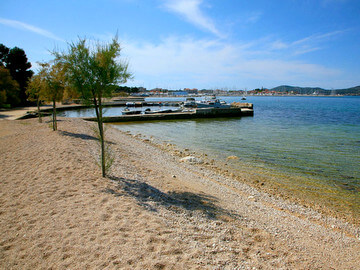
x=228, y=44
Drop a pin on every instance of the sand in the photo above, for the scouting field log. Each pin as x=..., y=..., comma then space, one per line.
x=152, y=212
x=13, y=114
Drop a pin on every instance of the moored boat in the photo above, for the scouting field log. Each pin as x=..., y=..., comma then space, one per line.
x=130, y=112
x=148, y=111
x=212, y=102
x=190, y=103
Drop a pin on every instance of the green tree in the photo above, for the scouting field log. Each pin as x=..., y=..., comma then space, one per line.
x=4, y=51
x=16, y=62
x=33, y=91
x=52, y=85
x=95, y=73
x=9, y=88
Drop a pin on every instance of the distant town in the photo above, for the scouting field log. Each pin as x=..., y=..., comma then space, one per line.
x=277, y=91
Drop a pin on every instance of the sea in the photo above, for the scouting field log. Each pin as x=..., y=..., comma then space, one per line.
x=307, y=145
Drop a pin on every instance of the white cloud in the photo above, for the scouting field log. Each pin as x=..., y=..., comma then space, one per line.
x=254, y=17
x=279, y=45
x=304, y=45
x=190, y=10
x=31, y=28
x=318, y=37
x=179, y=62
x=305, y=49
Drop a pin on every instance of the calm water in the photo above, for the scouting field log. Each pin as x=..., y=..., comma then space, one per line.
x=308, y=144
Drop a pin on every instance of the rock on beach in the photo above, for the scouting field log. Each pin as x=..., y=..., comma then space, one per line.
x=191, y=159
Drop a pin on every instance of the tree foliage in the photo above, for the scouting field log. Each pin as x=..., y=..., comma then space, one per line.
x=34, y=88
x=95, y=72
x=52, y=85
x=16, y=62
x=4, y=52
x=9, y=88
x=127, y=89
x=33, y=91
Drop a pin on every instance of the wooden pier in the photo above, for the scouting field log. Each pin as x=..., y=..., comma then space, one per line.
x=196, y=114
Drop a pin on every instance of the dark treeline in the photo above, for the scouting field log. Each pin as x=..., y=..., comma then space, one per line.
x=14, y=76
x=127, y=89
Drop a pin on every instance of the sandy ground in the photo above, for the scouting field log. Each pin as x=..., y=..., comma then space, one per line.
x=18, y=112
x=14, y=114
x=152, y=212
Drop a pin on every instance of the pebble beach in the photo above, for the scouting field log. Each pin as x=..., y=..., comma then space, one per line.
x=155, y=210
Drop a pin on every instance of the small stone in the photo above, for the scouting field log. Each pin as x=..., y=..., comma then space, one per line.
x=191, y=159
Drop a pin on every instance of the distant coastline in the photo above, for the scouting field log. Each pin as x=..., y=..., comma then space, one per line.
x=283, y=90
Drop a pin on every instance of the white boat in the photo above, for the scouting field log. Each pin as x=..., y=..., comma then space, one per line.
x=212, y=102
x=190, y=103
x=148, y=111
x=130, y=104
x=126, y=111
x=244, y=95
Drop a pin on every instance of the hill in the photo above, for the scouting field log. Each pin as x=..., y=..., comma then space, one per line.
x=353, y=91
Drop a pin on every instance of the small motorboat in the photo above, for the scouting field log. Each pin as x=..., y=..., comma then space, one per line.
x=130, y=104
x=148, y=111
x=212, y=102
x=244, y=95
x=130, y=112
x=190, y=103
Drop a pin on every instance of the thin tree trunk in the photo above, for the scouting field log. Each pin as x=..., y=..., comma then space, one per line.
x=54, y=116
x=98, y=111
x=102, y=136
x=38, y=109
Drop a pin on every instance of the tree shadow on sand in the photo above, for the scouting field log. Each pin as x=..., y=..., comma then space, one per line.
x=78, y=136
x=151, y=197
x=81, y=136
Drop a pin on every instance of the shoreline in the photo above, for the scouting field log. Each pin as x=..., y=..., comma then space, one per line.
x=271, y=190
x=261, y=180
x=152, y=212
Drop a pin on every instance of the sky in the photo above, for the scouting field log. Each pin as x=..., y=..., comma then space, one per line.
x=204, y=44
